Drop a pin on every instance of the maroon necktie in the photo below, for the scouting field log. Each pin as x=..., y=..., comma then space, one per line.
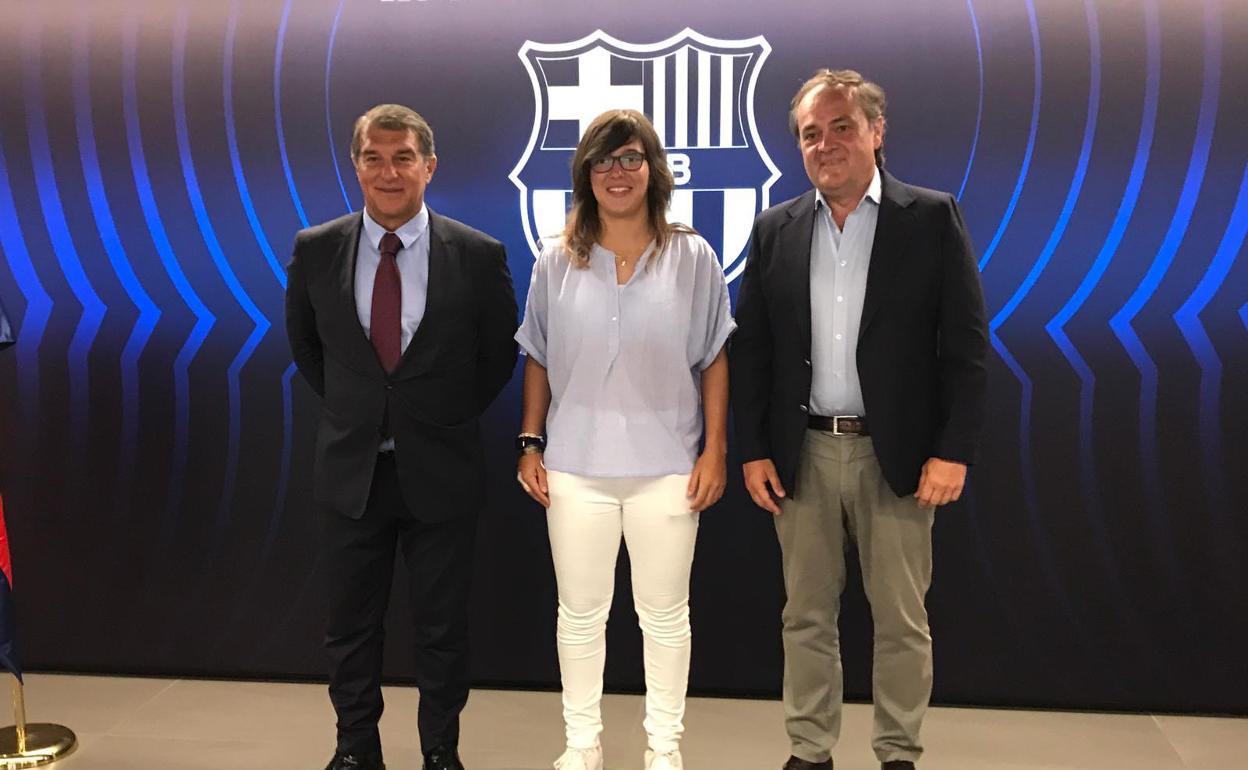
x=386, y=316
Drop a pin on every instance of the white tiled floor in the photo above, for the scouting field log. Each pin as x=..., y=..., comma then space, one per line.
x=162, y=724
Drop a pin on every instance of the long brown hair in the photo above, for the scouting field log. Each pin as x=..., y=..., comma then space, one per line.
x=610, y=131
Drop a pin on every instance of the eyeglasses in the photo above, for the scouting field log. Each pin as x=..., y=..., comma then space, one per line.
x=629, y=161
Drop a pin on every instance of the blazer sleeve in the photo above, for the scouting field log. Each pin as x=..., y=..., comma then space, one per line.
x=305, y=341
x=497, y=349
x=962, y=344
x=749, y=360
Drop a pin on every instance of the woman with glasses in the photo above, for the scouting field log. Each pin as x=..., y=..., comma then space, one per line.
x=625, y=329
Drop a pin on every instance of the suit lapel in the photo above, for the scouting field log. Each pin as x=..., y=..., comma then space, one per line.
x=345, y=259
x=795, y=250
x=893, y=229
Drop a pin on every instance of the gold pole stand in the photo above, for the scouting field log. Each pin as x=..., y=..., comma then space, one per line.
x=24, y=745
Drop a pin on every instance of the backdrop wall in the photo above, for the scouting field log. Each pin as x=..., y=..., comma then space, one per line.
x=156, y=159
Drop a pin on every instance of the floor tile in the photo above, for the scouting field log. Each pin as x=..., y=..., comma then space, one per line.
x=966, y=739
x=88, y=704
x=154, y=724
x=233, y=711
x=1207, y=743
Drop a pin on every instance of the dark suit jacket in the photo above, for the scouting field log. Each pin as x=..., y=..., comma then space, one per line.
x=921, y=345
x=456, y=363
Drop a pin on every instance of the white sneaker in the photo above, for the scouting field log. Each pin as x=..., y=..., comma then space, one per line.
x=580, y=759
x=669, y=760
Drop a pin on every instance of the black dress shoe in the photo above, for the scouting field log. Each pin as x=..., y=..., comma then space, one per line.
x=897, y=764
x=443, y=758
x=356, y=762
x=796, y=763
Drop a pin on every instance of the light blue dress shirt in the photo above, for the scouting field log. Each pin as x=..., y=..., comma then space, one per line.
x=839, y=261
x=625, y=362
x=413, y=262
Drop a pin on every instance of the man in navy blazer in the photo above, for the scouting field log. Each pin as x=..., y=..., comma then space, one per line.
x=858, y=395
x=402, y=322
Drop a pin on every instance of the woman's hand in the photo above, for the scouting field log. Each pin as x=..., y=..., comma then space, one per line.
x=532, y=477
x=707, y=481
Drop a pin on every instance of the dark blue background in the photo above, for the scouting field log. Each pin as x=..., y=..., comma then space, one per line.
x=157, y=157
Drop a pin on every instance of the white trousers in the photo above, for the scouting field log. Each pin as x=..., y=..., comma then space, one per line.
x=586, y=519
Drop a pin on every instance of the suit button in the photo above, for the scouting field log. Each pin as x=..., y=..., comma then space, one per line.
x=803, y=407
x=389, y=386
x=807, y=362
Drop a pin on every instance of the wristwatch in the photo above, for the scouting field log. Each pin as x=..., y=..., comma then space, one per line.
x=530, y=443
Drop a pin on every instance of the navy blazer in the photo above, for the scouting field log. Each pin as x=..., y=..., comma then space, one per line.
x=921, y=345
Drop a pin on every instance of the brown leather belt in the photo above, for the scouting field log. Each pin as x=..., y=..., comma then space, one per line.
x=840, y=425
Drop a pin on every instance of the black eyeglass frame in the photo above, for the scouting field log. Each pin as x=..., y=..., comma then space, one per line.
x=604, y=164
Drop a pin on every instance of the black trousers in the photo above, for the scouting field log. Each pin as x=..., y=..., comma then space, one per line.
x=360, y=557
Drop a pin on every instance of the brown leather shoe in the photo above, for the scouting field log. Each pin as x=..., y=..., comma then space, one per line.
x=796, y=763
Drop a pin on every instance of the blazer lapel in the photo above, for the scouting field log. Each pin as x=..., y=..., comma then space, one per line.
x=892, y=237
x=795, y=251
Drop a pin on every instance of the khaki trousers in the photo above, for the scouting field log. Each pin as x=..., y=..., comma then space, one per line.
x=842, y=499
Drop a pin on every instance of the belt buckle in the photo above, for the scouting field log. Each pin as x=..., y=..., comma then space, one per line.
x=836, y=423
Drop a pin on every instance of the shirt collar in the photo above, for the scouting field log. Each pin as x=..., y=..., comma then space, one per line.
x=872, y=194
x=409, y=232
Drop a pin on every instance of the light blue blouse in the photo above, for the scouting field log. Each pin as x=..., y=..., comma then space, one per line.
x=625, y=362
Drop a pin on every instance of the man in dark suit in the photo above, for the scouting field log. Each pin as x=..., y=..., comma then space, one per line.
x=402, y=321
x=858, y=388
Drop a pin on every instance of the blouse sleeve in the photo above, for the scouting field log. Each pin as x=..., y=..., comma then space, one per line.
x=532, y=332
x=712, y=323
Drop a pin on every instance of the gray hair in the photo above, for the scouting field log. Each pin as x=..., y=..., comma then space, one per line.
x=393, y=117
x=869, y=96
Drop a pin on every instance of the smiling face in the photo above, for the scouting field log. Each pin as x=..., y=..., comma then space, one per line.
x=393, y=173
x=838, y=143
x=621, y=193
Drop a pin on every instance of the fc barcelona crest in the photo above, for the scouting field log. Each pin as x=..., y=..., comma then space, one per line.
x=699, y=93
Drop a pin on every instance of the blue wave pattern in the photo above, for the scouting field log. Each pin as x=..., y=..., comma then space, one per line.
x=57, y=226
x=1037, y=88
x=160, y=161
x=39, y=303
x=979, y=102
x=277, y=117
x=204, y=318
x=149, y=312
x=1122, y=322
x=213, y=244
x=1188, y=319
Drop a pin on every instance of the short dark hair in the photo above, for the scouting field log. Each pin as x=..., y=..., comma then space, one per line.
x=869, y=96
x=393, y=117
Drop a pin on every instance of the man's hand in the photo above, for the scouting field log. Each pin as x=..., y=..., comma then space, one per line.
x=758, y=474
x=707, y=481
x=532, y=477
x=941, y=482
